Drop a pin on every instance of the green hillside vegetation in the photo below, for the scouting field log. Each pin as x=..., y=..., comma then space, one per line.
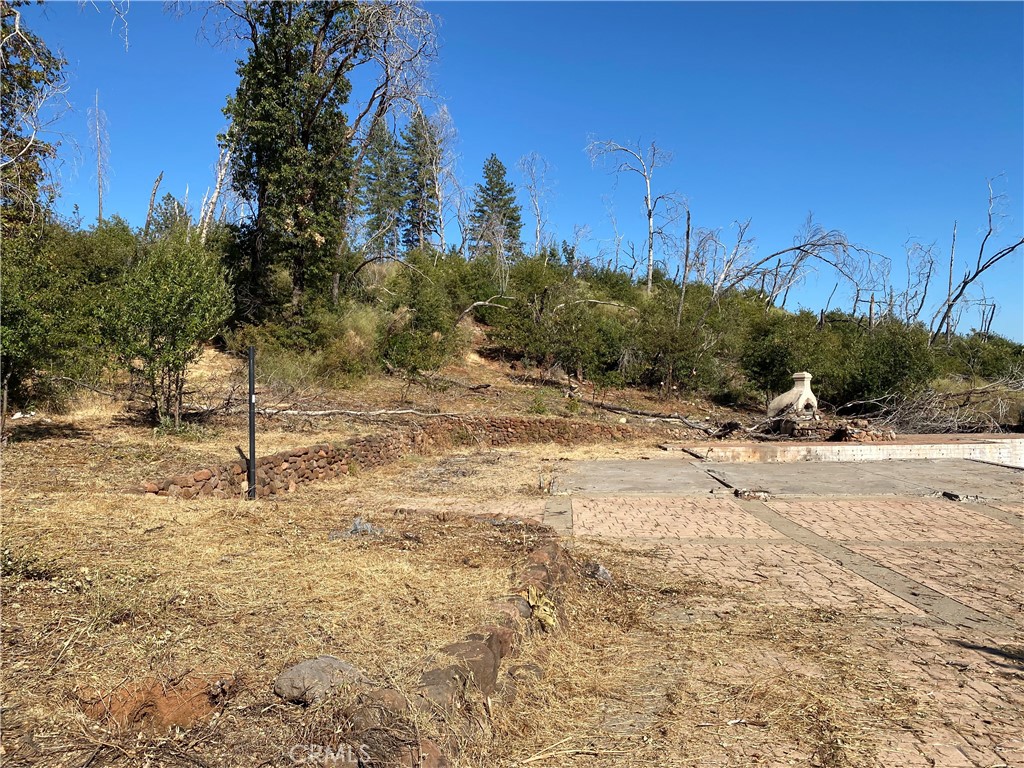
x=341, y=267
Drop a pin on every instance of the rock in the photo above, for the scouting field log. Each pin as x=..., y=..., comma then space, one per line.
x=477, y=661
x=752, y=494
x=442, y=686
x=202, y=475
x=359, y=528
x=314, y=679
x=501, y=640
x=385, y=698
x=522, y=672
x=426, y=754
x=506, y=614
x=598, y=572
x=537, y=575
x=521, y=604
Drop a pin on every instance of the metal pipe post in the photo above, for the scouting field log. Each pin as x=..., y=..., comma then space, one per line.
x=252, y=424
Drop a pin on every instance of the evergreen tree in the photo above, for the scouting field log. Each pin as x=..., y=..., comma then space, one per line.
x=29, y=75
x=292, y=160
x=420, y=160
x=496, y=222
x=383, y=199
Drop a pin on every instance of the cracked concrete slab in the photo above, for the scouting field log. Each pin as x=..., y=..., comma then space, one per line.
x=654, y=477
x=923, y=477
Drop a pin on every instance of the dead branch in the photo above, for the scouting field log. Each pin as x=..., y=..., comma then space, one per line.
x=77, y=383
x=487, y=303
x=596, y=301
x=931, y=412
x=345, y=412
x=653, y=415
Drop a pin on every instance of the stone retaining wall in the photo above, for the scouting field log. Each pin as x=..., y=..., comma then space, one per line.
x=285, y=471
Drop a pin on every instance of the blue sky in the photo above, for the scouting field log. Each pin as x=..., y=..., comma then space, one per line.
x=884, y=119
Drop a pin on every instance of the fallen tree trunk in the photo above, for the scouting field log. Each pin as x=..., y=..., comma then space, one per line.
x=345, y=412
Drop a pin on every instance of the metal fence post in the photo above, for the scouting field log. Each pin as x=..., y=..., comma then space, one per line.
x=252, y=424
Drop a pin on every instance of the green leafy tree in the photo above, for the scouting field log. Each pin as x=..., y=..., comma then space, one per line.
x=383, y=198
x=174, y=298
x=496, y=221
x=48, y=329
x=420, y=150
x=291, y=158
x=56, y=283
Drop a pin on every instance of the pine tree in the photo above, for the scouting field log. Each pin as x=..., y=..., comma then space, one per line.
x=29, y=76
x=496, y=221
x=419, y=157
x=292, y=158
x=383, y=198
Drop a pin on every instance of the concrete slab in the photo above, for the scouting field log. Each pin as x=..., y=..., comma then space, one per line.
x=913, y=478
x=889, y=478
x=656, y=477
x=967, y=478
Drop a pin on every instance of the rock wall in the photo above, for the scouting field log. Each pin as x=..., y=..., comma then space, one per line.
x=285, y=471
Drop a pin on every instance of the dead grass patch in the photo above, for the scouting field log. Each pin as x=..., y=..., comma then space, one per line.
x=103, y=589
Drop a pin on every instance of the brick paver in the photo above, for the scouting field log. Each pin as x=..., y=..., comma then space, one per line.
x=968, y=576
x=894, y=520
x=971, y=679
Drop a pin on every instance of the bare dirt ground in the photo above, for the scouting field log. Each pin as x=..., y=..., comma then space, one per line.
x=720, y=642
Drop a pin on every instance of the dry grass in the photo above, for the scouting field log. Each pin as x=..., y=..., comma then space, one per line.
x=101, y=587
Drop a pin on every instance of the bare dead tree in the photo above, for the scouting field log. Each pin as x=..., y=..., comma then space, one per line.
x=395, y=41
x=462, y=208
x=99, y=135
x=443, y=166
x=494, y=232
x=617, y=236
x=152, y=203
x=632, y=158
x=943, y=318
x=209, y=206
x=684, y=276
x=535, y=169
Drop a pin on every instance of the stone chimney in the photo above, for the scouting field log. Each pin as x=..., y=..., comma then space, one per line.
x=799, y=403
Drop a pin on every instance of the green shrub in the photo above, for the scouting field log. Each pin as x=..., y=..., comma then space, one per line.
x=322, y=348
x=173, y=299
x=986, y=357
x=420, y=333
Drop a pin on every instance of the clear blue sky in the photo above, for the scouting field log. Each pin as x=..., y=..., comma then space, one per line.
x=884, y=119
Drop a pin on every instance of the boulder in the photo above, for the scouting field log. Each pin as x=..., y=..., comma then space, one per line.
x=313, y=679
x=477, y=661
